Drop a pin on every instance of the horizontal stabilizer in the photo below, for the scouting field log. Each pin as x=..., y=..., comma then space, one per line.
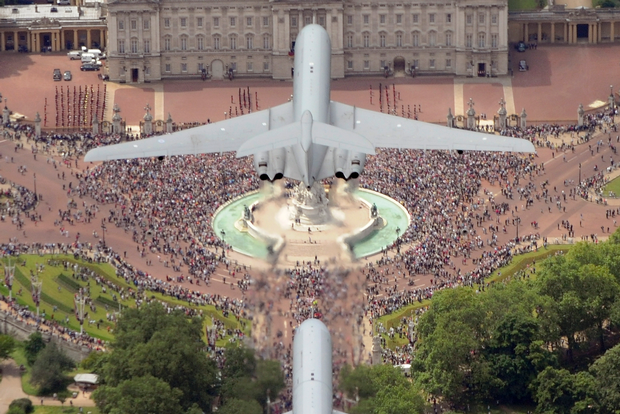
x=276, y=138
x=322, y=134
x=331, y=136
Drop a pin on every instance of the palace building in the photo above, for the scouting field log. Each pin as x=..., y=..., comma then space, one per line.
x=161, y=39
x=34, y=28
x=151, y=40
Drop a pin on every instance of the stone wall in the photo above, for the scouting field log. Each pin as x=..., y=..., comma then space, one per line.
x=21, y=330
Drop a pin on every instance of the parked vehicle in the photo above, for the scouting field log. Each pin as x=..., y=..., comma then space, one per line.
x=523, y=67
x=74, y=55
x=67, y=75
x=89, y=67
x=87, y=58
x=57, y=75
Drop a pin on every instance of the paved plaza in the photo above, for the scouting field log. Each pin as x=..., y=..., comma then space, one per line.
x=559, y=79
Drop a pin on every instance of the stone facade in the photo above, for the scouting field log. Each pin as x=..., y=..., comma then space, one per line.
x=557, y=24
x=31, y=28
x=152, y=40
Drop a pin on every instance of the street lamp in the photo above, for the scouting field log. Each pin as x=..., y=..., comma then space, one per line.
x=36, y=197
x=9, y=274
x=579, y=174
x=37, y=287
x=103, y=229
x=80, y=304
x=517, y=221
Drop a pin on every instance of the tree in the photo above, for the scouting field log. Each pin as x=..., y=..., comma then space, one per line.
x=554, y=391
x=7, y=345
x=606, y=372
x=246, y=378
x=24, y=405
x=560, y=392
x=150, y=341
x=235, y=406
x=48, y=371
x=381, y=389
x=139, y=395
x=32, y=346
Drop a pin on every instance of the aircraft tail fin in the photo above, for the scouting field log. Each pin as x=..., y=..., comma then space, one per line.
x=304, y=132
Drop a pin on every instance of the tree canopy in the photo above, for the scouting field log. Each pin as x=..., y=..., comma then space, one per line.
x=517, y=341
x=152, y=343
x=48, y=371
x=380, y=389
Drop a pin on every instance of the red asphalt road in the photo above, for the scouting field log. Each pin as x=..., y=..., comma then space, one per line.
x=560, y=77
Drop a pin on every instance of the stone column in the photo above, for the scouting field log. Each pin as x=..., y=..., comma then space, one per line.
x=37, y=125
x=95, y=124
x=575, y=33
x=169, y=124
x=612, y=35
x=450, y=118
x=28, y=41
x=116, y=120
x=471, y=115
x=377, y=358
x=523, y=119
x=552, y=32
x=566, y=33
x=580, y=113
x=526, y=31
x=88, y=41
x=76, y=40
x=148, y=121
x=539, y=33
x=2, y=41
x=63, y=44
x=502, y=114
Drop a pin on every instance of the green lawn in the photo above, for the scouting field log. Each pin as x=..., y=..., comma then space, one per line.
x=518, y=5
x=613, y=186
x=59, y=288
x=20, y=359
x=518, y=263
x=46, y=409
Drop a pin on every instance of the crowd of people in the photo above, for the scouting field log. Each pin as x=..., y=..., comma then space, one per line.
x=167, y=206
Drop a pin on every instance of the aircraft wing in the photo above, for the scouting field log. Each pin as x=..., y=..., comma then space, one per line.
x=389, y=131
x=223, y=136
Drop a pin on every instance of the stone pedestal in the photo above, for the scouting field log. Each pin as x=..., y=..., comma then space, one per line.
x=116, y=120
x=450, y=118
x=471, y=115
x=37, y=125
x=95, y=124
x=523, y=119
x=502, y=114
x=169, y=124
x=148, y=121
x=5, y=115
x=309, y=206
x=580, y=113
x=377, y=358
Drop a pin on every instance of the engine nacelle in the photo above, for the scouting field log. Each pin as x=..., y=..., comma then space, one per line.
x=347, y=164
x=270, y=164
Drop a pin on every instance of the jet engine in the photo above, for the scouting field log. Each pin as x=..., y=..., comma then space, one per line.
x=270, y=164
x=347, y=164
